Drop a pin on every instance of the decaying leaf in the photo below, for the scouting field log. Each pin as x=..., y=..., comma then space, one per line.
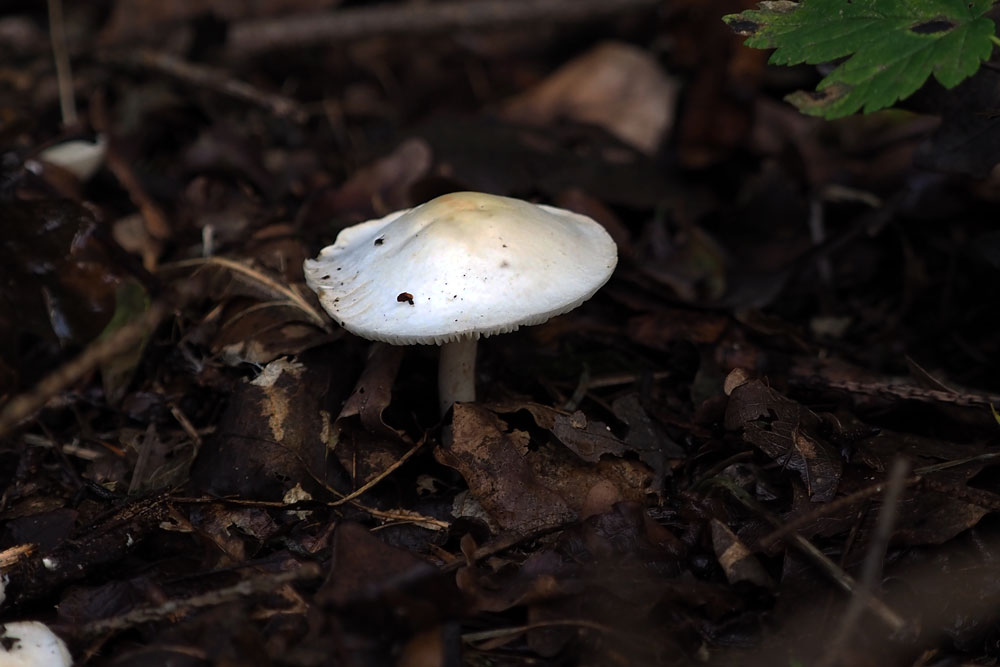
x=266, y=441
x=788, y=433
x=616, y=86
x=523, y=488
x=131, y=300
x=588, y=439
x=363, y=443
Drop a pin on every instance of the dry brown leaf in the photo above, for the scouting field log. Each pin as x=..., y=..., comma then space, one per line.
x=615, y=86
x=267, y=440
x=788, y=433
x=523, y=488
x=363, y=443
x=586, y=438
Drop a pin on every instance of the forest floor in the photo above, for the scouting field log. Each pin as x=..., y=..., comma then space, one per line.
x=768, y=440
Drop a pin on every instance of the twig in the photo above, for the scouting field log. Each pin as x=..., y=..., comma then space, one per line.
x=98, y=352
x=817, y=233
x=64, y=73
x=275, y=287
x=379, y=477
x=896, y=390
x=265, y=35
x=501, y=543
x=265, y=583
x=471, y=637
x=873, y=562
x=896, y=622
x=832, y=507
x=403, y=516
x=212, y=79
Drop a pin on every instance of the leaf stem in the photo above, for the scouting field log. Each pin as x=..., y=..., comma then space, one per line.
x=995, y=39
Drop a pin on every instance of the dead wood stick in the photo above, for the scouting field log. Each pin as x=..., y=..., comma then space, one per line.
x=25, y=405
x=872, y=566
x=502, y=543
x=261, y=36
x=840, y=577
x=910, y=392
x=209, y=78
x=265, y=583
x=826, y=509
x=64, y=73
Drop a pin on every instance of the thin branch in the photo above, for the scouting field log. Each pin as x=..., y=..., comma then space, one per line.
x=64, y=73
x=211, y=79
x=873, y=561
x=98, y=352
x=471, y=637
x=258, y=277
x=888, y=616
x=899, y=391
x=379, y=477
x=261, y=36
x=502, y=543
x=833, y=507
x=265, y=583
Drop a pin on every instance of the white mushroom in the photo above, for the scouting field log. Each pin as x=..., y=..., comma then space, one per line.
x=32, y=644
x=80, y=157
x=461, y=266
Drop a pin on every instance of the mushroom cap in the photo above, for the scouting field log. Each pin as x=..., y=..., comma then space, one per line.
x=32, y=644
x=463, y=265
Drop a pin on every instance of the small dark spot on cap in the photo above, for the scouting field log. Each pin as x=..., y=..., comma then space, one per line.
x=504, y=264
x=380, y=240
x=405, y=297
x=326, y=277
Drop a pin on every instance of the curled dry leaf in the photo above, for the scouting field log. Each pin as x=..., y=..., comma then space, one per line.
x=588, y=439
x=362, y=442
x=788, y=433
x=524, y=489
x=591, y=439
x=736, y=560
x=236, y=532
x=615, y=86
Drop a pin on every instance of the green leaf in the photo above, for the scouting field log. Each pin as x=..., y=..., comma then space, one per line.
x=131, y=301
x=891, y=46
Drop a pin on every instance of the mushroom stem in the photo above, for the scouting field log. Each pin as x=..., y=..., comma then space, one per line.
x=457, y=373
